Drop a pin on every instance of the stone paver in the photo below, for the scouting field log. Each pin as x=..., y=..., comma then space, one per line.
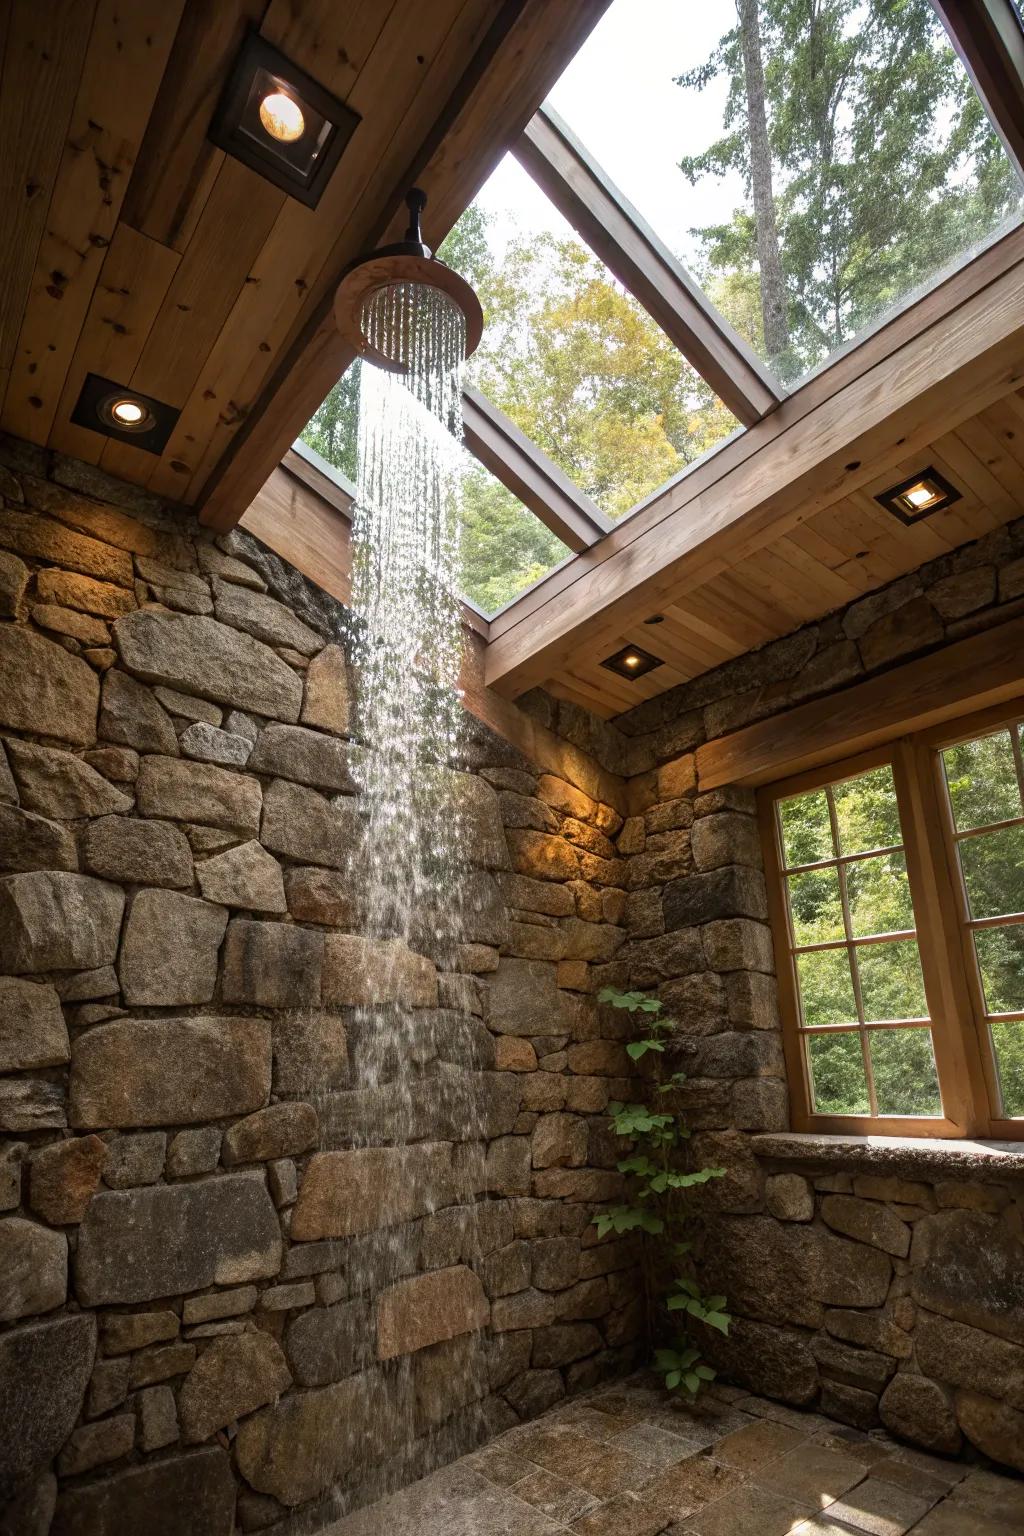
x=626, y=1461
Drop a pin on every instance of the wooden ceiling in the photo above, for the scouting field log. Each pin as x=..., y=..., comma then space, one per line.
x=133, y=248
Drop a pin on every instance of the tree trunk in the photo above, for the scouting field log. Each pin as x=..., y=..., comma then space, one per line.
x=773, y=287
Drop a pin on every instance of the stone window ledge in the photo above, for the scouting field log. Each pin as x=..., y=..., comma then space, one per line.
x=914, y=1156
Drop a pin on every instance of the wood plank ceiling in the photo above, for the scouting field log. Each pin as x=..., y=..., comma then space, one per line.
x=133, y=248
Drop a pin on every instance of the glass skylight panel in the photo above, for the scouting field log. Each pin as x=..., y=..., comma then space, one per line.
x=504, y=547
x=869, y=171
x=570, y=357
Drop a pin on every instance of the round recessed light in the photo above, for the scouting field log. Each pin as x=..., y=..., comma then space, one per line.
x=282, y=117
x=126, y=413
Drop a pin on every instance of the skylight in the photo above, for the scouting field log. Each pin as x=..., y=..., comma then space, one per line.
x=875, y=168
x=577, y=364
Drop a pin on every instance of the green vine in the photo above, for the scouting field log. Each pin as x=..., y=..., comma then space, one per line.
x=657, y=1209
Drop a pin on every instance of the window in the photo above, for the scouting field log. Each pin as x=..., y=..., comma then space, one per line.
x=896, y=889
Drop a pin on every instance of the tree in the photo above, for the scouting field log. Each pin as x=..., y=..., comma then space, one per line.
x=881, y=166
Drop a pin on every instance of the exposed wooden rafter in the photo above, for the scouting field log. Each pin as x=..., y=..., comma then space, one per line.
x=539, y=483
x=630, y=249
x=988, y=36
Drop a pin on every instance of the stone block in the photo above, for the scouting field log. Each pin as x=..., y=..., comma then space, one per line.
x=199, y=792
x=264, y=617
x=720, y=893
x=12, y=1156
x=562, y=1343
x=283, y=1181
x=738, y=945
x=281, y=1130
x=727, y=838
x=327, y=1344
x=218, y=1304
x=134, y=1330
x=916, y=1409
x=275, y=965
x=322, y=896
x=540, y=856
x=310, y=1052
x=996, y=1429
x=294, y=1450
x=784, y=1273
x=872, y=1330
x=232, y=1377
x=789, y=1197
x=169, y=1071
x=428, y=1308
x=134, y=1160
x=344, y=1193
x=507, y=1169
x=528, y=1309
x=360, y=972
x=136, y=852
x=157, y=1418
x=44, y=1369
x=522, y=998
x=867, y=1221
x=307, y=757
x=971, y=1271
x=194, y=1151
x=53, y=921
x=32, y=1028
x=198, y=655
x=527, y=895
x=209, y=744
x=14, y=575
x=59, y=784
x=189, y=708
x=850, y=1405
x=169, y=954
x=64, y=1177
x=130, y=715
x=652, y=961
x=108, y=1386
x=46, y=691
x=326, y=702
x=559, y=1141
x=913, y=627
x=187, y=1495
x=961, y=1356
x=161, y=1241
x=33, y=1269
x=27, y=1105
x=29, y=842
x=92, y=1445
x=301, y=824
x=246, y=876
x=864, y=1368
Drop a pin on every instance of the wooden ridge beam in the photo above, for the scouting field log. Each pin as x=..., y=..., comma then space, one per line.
x=804, y=461
x=539, y=483
x=631, y=250
x=988, y=36
x=987, y=668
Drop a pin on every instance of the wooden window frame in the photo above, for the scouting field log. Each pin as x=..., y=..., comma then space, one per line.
x=964, y=1058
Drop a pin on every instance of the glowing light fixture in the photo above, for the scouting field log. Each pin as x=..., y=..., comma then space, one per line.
x=282, y=117
x=919, y=496
x=126, y=414
x=632, y=662
x=281, y=122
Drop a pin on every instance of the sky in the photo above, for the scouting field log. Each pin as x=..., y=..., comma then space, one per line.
x=619, y=98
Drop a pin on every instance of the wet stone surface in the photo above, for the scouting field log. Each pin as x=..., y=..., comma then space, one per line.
x=626, y=1461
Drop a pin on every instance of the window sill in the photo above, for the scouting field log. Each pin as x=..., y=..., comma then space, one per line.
x=915, y=1156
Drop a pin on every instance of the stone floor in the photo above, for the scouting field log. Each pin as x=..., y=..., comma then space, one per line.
x=623, y=1462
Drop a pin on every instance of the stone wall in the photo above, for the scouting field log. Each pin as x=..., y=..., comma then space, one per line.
x=874, y=1293
x=192, y=1165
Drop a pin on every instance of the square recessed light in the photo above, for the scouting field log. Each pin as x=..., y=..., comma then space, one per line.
x=280, y=122
x=632, y=662
x=125, y=414
x=919, y=496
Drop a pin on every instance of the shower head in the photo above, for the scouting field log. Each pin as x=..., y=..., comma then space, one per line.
x=408, y=268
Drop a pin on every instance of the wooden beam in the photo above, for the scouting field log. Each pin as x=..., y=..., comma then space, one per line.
x=519, y=60
x=631, y=250
x=804, y=461
x=538, y=482
x=970, y=674
x=987, y=35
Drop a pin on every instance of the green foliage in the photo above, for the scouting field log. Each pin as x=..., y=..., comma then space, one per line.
x=657, y=1211
x=884, y=167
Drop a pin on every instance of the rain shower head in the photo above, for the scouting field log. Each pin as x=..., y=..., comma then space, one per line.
x=407, y=271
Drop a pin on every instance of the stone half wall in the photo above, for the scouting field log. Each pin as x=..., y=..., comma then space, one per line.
x=192, y=1166
x=873, y=1292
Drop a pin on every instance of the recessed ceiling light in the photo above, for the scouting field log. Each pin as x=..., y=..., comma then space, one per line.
x=125, y=414
x=919, y=496
x=632, y=662
x=281, y=122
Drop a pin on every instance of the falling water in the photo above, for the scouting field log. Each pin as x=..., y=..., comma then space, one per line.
x=412, y=1066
